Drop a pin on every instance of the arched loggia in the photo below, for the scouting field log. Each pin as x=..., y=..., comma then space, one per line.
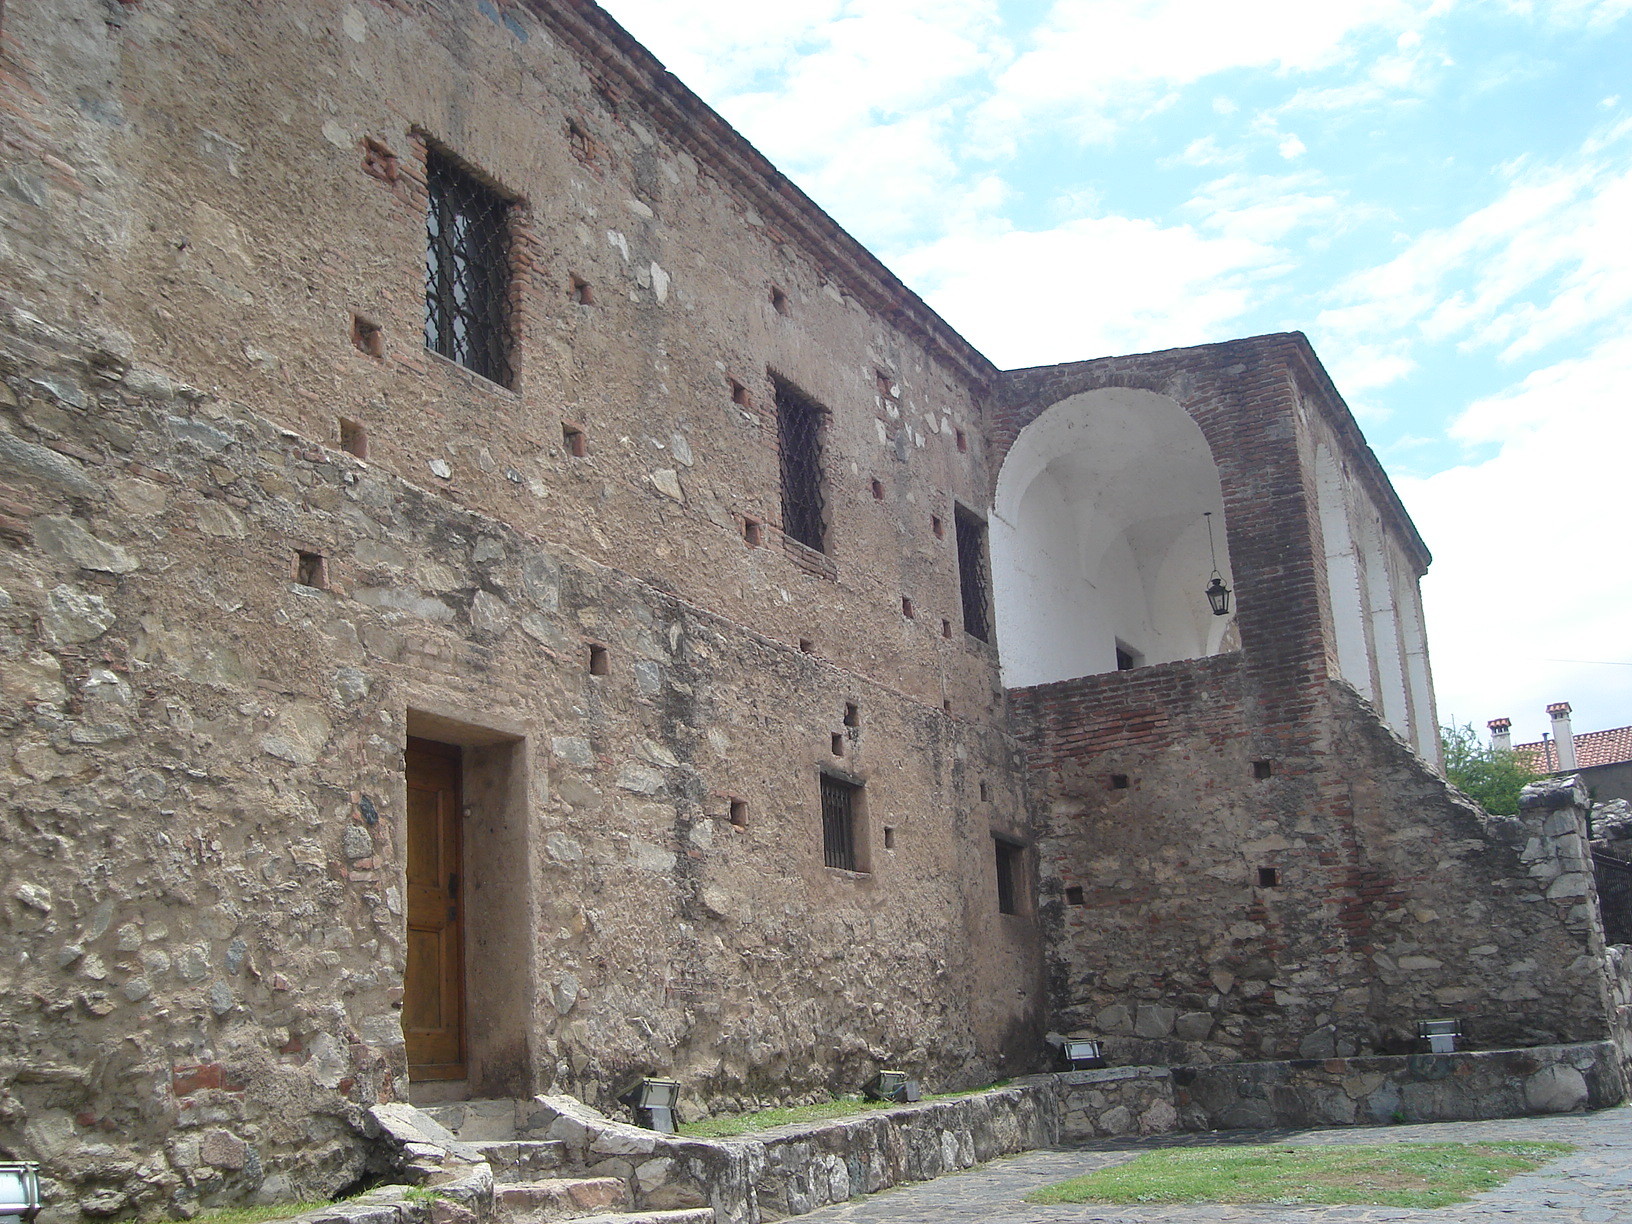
x=1099, y=541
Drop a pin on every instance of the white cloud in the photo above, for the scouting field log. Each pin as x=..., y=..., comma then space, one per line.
x=1545, y=261
x=1086, y=288
x=1291, y=147
x=1530, y=565
x=1105, y=61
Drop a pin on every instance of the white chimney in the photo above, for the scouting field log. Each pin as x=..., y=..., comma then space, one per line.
x=1501, y=734
x=1563, y=737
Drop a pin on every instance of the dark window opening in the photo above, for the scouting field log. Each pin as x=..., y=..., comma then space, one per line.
x=1262, y=770
x=1074, y=896
x=985, y=792
x=311, y=570
x=840, y=813
x=1119, y=781
x=972, y=581
x=467, y=270
x=937, y=526
x=751, y=531
x=598, y=663
x=799, y=436
x=1009, y=858
x=838, y=744
x=889, y=837
x=946, y=705
x=1126, y=657
x=1268, y=877
x=946, y=627
x=739, y=813
x=907, y=609
x=852, y=714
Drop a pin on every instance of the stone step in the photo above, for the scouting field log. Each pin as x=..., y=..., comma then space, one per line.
x=476, y=1121
x=687, y=1215
x=558, y=1198
x=519, y=1160
x=490, y=1121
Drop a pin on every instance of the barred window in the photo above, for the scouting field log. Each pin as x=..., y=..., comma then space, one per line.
x=467, y=270
x=972, y=581
x=840, y=813
x=799, y=436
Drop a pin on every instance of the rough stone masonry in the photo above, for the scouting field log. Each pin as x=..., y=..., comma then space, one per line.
x=500, y=595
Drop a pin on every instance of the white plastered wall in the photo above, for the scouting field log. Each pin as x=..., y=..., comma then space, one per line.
x=1098, y=538
x=1382, y=644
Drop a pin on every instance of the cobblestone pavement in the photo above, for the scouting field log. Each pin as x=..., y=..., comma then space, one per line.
x=1594, y=1184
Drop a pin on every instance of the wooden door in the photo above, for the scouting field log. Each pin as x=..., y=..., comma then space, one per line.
x=433, y=995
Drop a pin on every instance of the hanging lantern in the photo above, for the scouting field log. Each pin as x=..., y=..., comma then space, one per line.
x=1218, y=595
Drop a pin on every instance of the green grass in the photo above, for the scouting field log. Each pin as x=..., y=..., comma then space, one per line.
x=256, y=1214
x=731, y=1125
x=1383, y=1174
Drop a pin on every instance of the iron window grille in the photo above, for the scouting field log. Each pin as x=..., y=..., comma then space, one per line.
x=1009, y=859
x=467, y=270
x=839, y=823
x=799, y=437
x=973, y=584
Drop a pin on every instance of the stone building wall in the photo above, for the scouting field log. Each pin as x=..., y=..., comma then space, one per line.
x=204, y=794
x=1391, y=898
x=254, y=538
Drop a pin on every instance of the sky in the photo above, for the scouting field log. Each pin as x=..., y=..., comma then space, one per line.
x=1437, y=192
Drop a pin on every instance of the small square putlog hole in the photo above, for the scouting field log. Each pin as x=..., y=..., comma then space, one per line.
x=938, y=527
x=1119, y=781
x=353, y=438
x=852, y=714
x=889, y=837
x=878, y=490
x=582, y=292
x=963, y=440
x=739, y=813
x=779, y=301
x=1262, y=770
x=740, y=395
x=599, y=665
x=573, y=439
x=1269, y=877
x=367, y=337
x=907, y=609
x=753, y=531
x=1073, y=895
x=806, y=646
x=311, y=569
x=946, y=628
x=838, y=744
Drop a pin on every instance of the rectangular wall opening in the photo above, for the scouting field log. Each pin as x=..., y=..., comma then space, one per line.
x=843, y=824
x=465, y=861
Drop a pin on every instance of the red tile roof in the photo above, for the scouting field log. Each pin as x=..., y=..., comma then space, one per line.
x=1591, y=748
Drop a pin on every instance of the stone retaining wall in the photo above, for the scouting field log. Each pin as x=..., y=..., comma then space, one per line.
x=1411, y=1088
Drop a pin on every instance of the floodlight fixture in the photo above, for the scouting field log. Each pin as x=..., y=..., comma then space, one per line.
x=19, y=1191
x=1441, y=1035
x=654, y=1101
x=1083, y=1055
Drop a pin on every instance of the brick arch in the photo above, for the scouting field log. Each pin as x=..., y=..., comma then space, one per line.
x=1099, y=538
x=1242, y=396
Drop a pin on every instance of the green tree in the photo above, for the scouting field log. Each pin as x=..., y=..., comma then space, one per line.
x=1491, y=776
